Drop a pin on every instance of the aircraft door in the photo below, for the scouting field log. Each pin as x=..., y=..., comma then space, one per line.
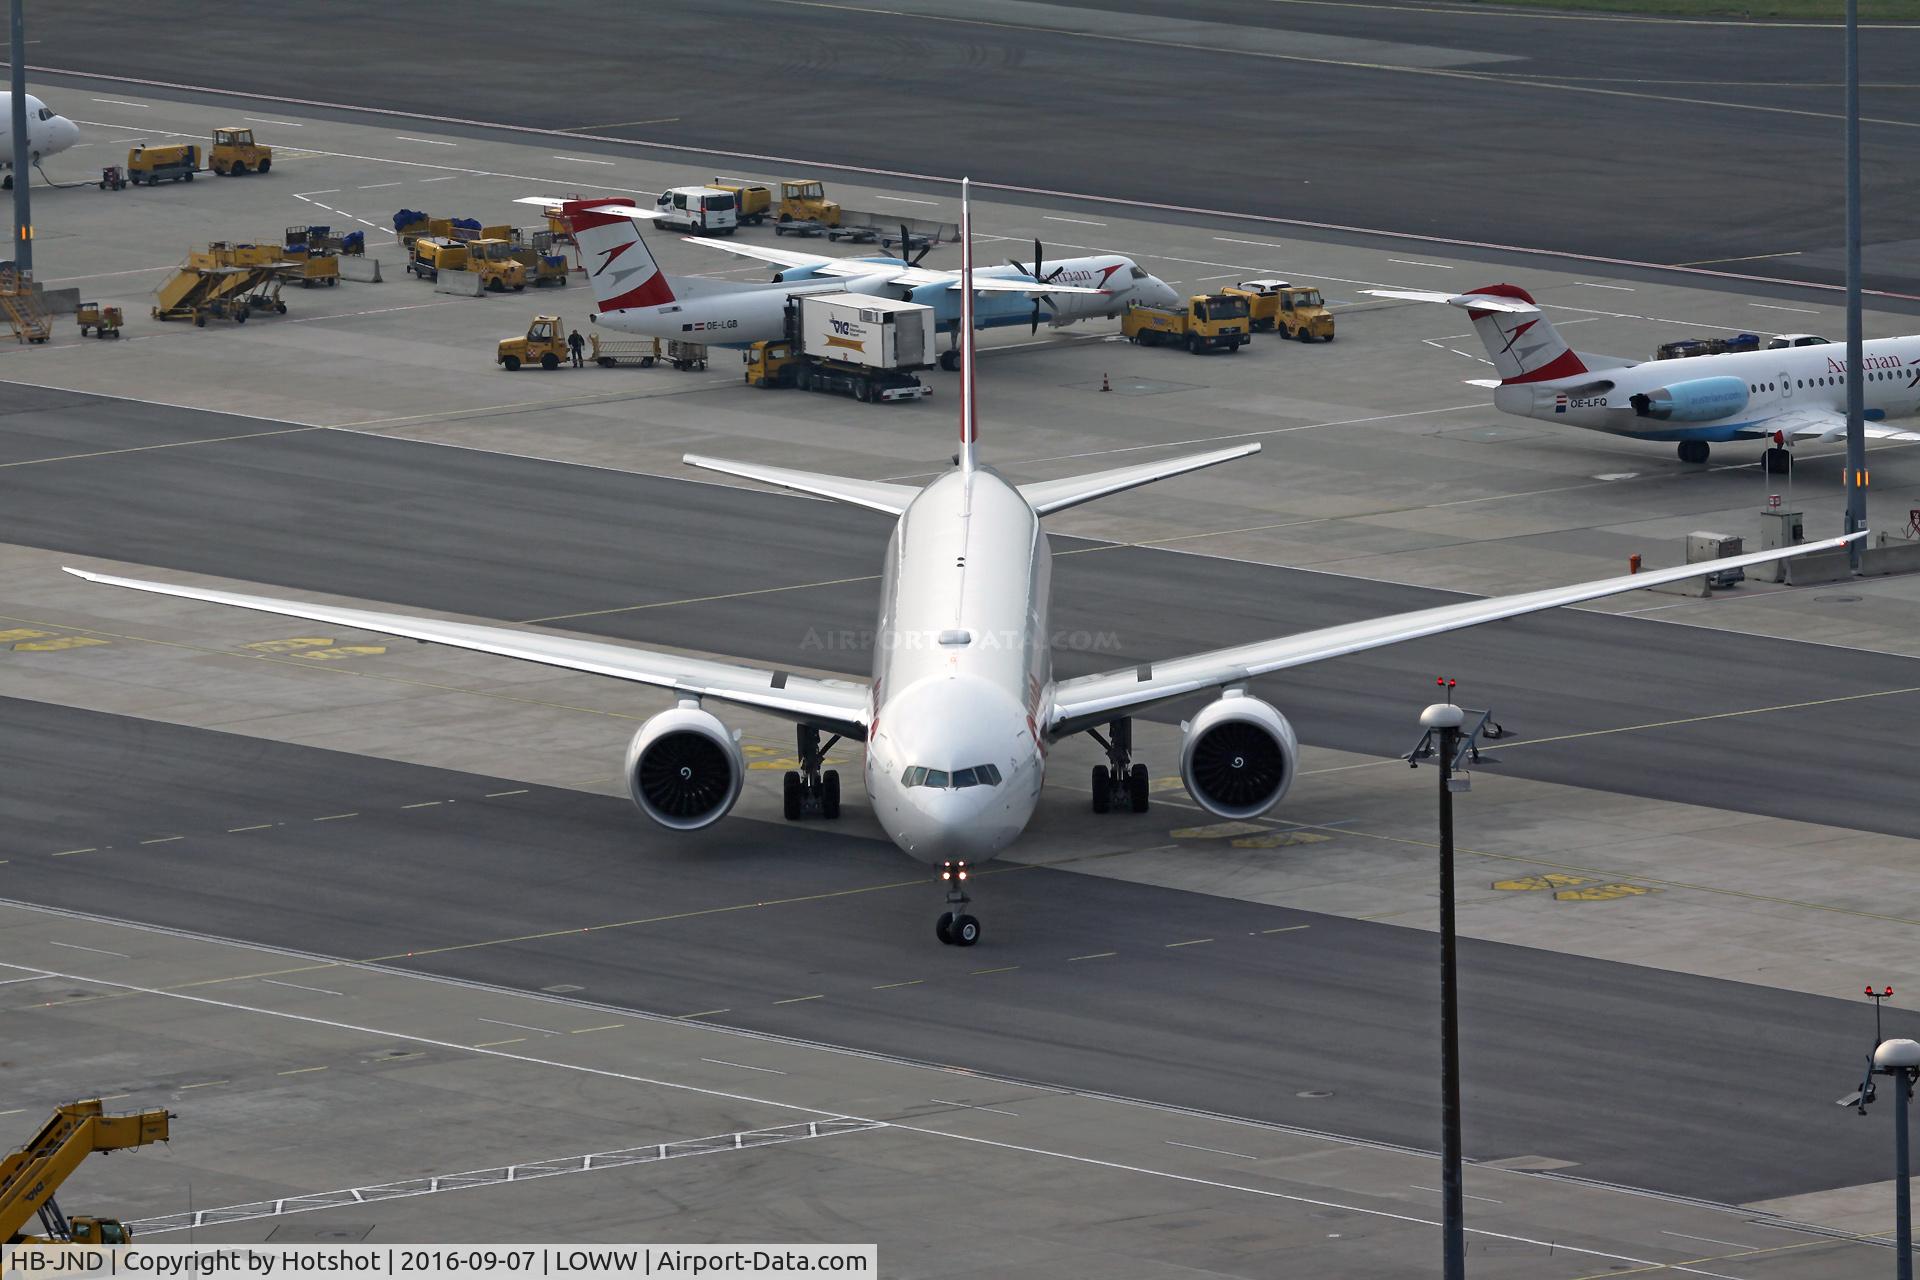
x=1786, y=386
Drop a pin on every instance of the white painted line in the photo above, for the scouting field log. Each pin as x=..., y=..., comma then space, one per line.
x=302, y=195
x=1228, y=276
x=1619, y=288
x=115, y=102
x=74, y=946
x=429, y=141
x=1467, y=1194
x=905, y=200
x=289, y=124
x=584, y=160
x=1081, y=221
x=1264, y=244
x=519, y=1026
x=1215, y=1150
x=449, y=177
x=1409, y=262
x=1731, y=1244
x=1768, y=306
x=296, y=986
x=945, y=1102
x=38, y=977
x=375, y=186
x=722, y=1062
x=491, y=795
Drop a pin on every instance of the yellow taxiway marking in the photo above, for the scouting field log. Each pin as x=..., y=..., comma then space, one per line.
x=611, y=1026
x=704, y=1013
x=1005, y=968
x=424, y=804
x=301, y=1071
x=727, y=595
x=67, y=853
x=335, y=817
x=1190, y=942
x=148, y=448
x=1290, y=928
x=1551, y=880
x=491, y=1044
x=163, y=840
x=1720, y=1257
x=495, y=795
x=800, y=999
x=1097, y=955
x=258, y=826
x=888, y=986
x=204, y=1084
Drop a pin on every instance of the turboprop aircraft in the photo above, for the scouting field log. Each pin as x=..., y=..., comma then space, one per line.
x=1783, y=395
x=47, y=134
x=962, y=708
x=635, y=296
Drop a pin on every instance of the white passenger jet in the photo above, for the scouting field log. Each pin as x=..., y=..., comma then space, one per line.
x=47, y=134
x=1783, y=396
x=963, y=706
x=634, y=295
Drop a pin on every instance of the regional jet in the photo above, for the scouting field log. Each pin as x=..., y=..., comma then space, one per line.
x=635, y=296
x=1794, y=392
x=47, y=134
x=962, y=708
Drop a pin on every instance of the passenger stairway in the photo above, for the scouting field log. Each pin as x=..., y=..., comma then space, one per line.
x=30, y=1176
x=25, y=309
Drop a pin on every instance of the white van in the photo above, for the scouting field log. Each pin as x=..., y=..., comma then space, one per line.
x=706, y=211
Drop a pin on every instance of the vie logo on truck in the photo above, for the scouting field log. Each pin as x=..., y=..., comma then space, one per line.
x=848, y=334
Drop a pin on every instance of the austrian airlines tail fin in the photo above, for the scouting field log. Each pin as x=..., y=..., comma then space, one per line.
x=619, y=266
x=969, y=413
x=1524, y=345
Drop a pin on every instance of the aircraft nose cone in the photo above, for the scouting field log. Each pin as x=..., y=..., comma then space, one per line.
x=65, y=133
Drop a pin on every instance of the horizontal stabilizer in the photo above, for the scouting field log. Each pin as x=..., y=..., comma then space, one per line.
x=615, y=208
x=1465, y=301
x=1048, y=496
x=876, y=495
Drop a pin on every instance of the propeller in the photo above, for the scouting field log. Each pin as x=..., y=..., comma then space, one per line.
x=1034, y=271
x=906, y=244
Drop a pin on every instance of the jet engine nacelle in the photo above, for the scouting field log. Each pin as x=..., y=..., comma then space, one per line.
x=684, y=769
x=1697, y=400
x=1239, y=757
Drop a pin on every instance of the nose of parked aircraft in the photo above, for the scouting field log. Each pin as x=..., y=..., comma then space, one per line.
x=65, y=133
x=1159, y=293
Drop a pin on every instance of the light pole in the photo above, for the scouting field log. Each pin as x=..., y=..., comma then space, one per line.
x=1856, y=423
x=1442, y=722
x=22, y=202
x=1900, y=1060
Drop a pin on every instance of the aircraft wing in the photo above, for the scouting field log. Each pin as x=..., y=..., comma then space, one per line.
x=896, y=272
x=1465, y=301
x=1829, y=424
x=830, y=704
x=1087, y=701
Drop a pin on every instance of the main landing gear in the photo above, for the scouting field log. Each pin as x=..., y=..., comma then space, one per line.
x=810, y=791
x=1119, y=783
x=955, y=927
x=1694, y=450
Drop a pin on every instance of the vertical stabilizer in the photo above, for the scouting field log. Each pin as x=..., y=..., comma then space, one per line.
x=620, y=269
x=969, y=416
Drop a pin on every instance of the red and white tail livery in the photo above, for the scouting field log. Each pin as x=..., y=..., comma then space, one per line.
x=969, y=413
x=619, y=266
x=1523, y=343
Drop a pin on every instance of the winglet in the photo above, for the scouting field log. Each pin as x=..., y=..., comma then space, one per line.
x=969, y=416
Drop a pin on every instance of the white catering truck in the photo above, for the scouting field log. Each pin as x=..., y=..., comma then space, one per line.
x=851, y=343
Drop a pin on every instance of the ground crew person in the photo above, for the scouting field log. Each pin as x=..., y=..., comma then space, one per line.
x=577, y=345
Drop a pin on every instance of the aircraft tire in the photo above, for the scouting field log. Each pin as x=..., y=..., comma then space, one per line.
x=1137, y=782
x=1102, y=789
x=943, y=927
x=830, y=794
x=791, y=795
x=965, y=931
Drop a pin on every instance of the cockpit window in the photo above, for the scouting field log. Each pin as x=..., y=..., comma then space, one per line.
x=1138, y=274
x=46, y=113
x=981, y=775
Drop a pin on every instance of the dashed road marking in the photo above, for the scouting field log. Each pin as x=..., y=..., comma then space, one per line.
x=611, y=1026
x=424, y=804
x=799, y=999
x=494, y=1044
x=888, y=986
x=495, y=795
x=68, y=853
x=704, y=1013
x=204, y=1084
x=1005, y=968
x=335, y=817
x=258, y=826
x=722, y=1062
x=74, y=946
x=163, y=840
x=1190, y=942
x=1290, y=928
x=1098, y=955
x=300, y=1071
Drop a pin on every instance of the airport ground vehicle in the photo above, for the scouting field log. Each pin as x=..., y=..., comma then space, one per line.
x=235, y=152
x=861, y=346
x=805, y=200
x=752, y=202
x=174, y=162
x=1297, y=310
x=31, y=1176
x=1682, y=348
x=104, y=321
x=705, y=211
x=534, y=251
x=24, y=306
x=491, y=260
x=1208, y=322
x=224, y=281
x=545, y=344
x=113, y=178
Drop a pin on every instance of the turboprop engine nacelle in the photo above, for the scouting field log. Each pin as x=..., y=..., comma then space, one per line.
x=1238, y=757
x=1696, y=400
x=684, y=769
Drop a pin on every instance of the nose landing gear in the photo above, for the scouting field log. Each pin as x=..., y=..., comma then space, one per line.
x=955, y=927
x=812, y=792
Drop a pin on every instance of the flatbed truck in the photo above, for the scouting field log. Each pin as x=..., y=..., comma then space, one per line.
x=852, y=344
x=1208, y=322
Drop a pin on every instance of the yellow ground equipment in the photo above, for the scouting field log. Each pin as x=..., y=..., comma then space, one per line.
x=544, y=344
x=235, y=152
x=153, y=165
x=1298, y=310
x=226, y=281
x=31, y=1176
x=491, y=260
x=751, y=203
x=311, y=256
x=25, y=310
x=1208, y=322
x=113, y=178
x=104, y=321
x=535, y=251
x=805, y=200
